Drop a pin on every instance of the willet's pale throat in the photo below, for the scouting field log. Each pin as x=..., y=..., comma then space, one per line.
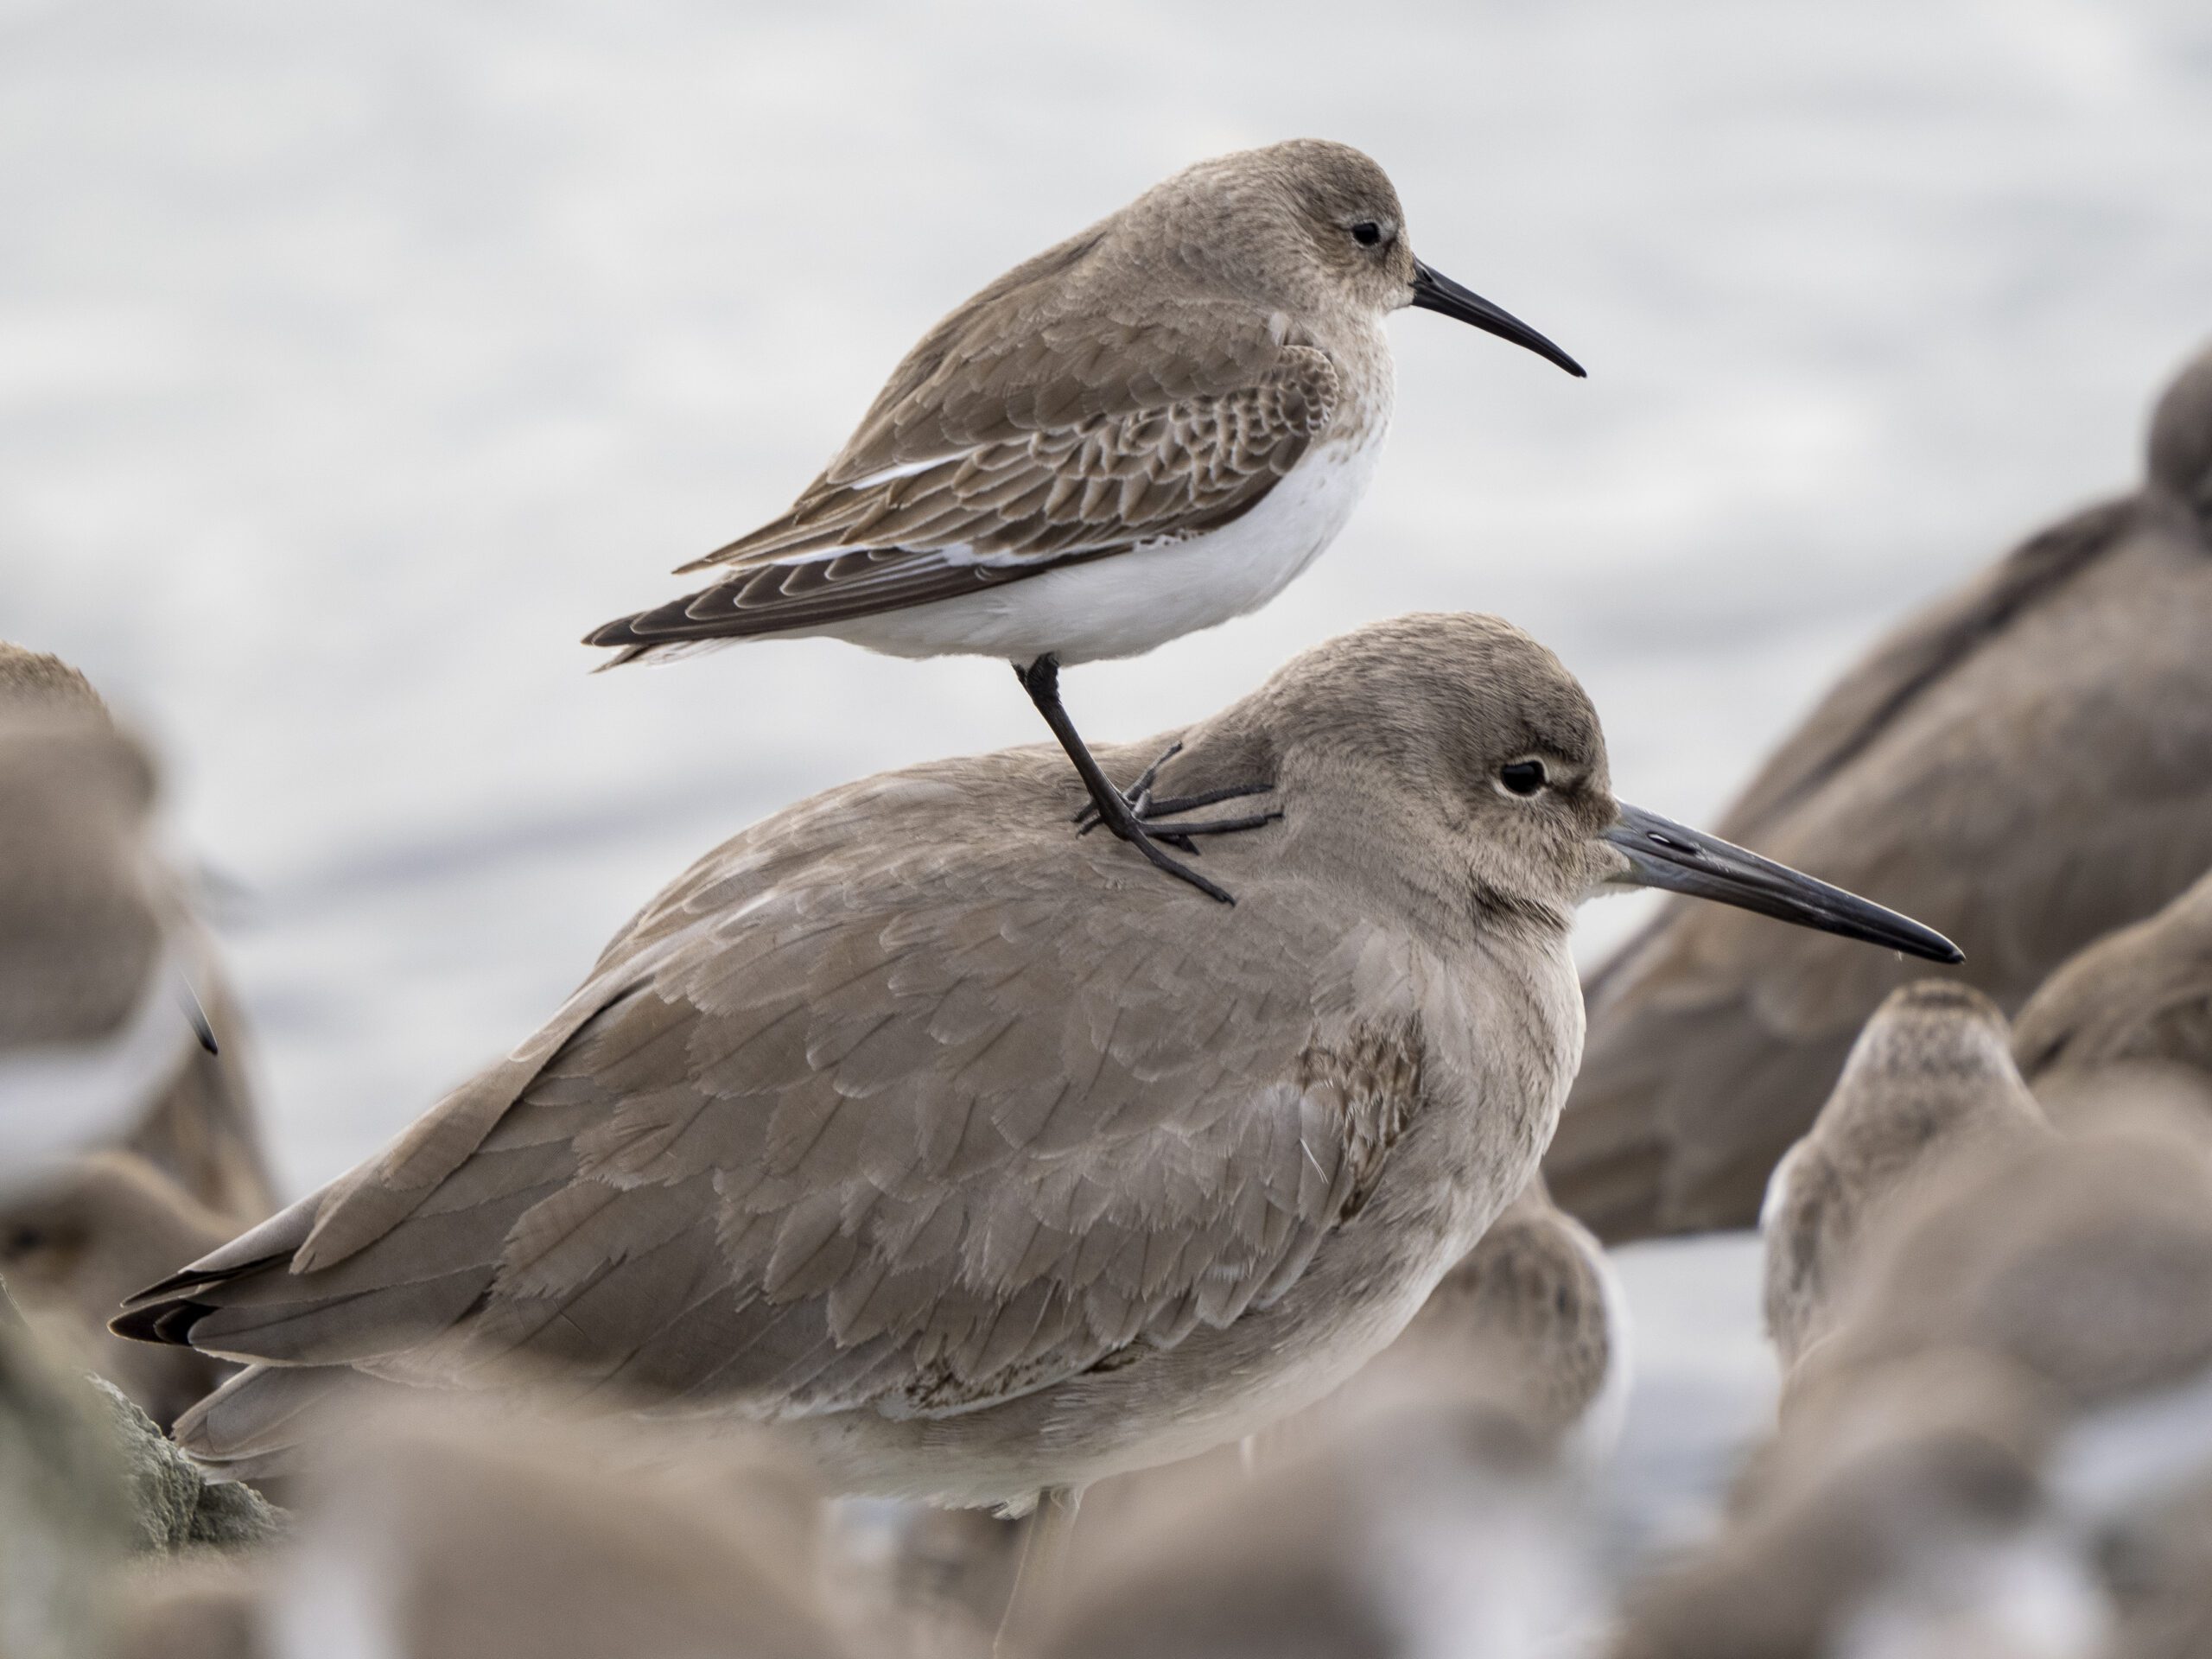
x=886, y=1128
x=1144, y=431
x=1930, y=1078
x=111, y=1004
x=2027, y=764
x=2130, y=1017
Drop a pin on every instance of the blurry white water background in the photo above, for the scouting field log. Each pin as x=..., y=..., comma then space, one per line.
x=355, y=359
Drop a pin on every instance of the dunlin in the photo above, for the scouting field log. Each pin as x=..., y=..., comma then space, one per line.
x=1144, y=431
x=2027, y=764
x=2080, y=1258
x=1930, y=1078
x=110, y=1002
x=2130, y=1016
x=980, y=1185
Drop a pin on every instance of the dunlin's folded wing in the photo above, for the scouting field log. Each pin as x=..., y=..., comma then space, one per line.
x=870, y=1125
x=1076, y=442
x=2139, y=995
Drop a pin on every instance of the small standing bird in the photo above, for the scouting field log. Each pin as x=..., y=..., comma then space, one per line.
x=2026, y=763
x=1931, y=1078
x=1144, y=431
x=2131, y=1016
x=899, y=1136
x=111, y=1003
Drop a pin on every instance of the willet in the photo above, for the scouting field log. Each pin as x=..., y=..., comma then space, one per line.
x=2027, y=764
x=78, y=1238
x=1144, y=431
x=1930, y=1078
x=110, y=1008
x=2129, y=1017
x=881, y=1126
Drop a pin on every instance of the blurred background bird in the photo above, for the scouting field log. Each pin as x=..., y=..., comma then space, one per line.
x=2025, y=764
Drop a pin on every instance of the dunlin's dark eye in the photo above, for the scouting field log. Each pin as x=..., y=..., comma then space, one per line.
x=1522, y=777
x=1367, y=232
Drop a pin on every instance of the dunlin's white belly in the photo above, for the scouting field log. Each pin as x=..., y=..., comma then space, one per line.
x=1126, y=604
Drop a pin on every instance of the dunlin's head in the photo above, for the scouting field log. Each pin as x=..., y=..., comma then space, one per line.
x=1465, y=725
x=1308, y=228
x=2181, y=436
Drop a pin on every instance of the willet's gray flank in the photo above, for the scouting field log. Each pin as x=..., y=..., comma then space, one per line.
x=2027, y=764
x=1144, y=431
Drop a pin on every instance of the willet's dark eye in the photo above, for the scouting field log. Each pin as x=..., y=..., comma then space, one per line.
x=1367, y=232
x=1522, y=777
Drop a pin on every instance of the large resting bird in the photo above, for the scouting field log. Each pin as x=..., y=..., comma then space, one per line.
x=2025, y=764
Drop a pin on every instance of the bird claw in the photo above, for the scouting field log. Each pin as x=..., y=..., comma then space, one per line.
x=1150, y=811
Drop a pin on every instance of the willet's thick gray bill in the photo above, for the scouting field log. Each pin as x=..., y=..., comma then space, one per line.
x=894, y=1123
x=111, y=1006
x=1930, y=1078
x=2130, y=1017
x=2027, y=764
x=1144, y=431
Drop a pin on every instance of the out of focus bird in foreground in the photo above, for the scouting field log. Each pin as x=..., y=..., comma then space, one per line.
x=2027, y=764
x=979, y=1187
x=1145, y=430
x=1930, y=1079
x=115, y=1027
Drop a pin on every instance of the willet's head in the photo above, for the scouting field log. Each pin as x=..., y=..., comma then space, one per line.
x=2181, y=436
x=1468, y=737
x=1310, y=228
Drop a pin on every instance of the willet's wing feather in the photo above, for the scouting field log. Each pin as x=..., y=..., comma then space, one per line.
x=2053, y=780
x=1002, y=467
x=854, y=1117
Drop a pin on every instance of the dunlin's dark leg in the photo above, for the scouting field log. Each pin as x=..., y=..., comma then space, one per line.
x=1129, y=815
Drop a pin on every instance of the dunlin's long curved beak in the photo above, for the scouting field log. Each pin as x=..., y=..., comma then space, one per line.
x=1432, y=292
x=1663, y=854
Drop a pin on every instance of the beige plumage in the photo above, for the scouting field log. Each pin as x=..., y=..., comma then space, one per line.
x=102, y=965
x=1907, y=1518
x=1929, y=1079
x=2130, y=1016
x=1532, y=1320
x=978, y=1169
x=2080, y=1259
x=78, y=1238
x=2027, y=764
x=438, y=1532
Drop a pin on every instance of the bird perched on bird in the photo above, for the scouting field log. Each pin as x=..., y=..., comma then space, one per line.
x=111, y=1006
x=2026, y=764
x=892, y=1134
x=77, y=1238
x=1144, y=431
x=1930, y=1078
x=2129, y=1016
